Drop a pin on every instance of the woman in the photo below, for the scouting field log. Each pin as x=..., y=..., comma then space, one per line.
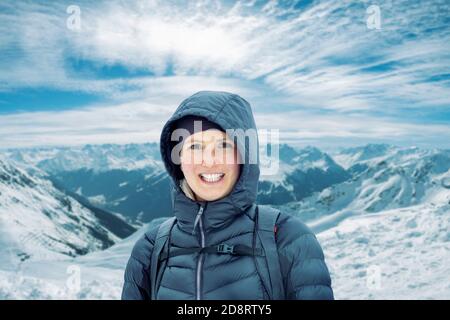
x=214, y=194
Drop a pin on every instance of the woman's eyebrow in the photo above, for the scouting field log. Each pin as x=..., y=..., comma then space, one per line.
x=201, y=141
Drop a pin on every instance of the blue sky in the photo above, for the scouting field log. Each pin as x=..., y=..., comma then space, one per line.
x=311, y=69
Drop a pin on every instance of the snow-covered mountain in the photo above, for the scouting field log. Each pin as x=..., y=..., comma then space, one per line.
x=385, y=231
x=349, y=156
x=387, y=177
x=125, y=179
x=139, y=195
x=301, y=173
x=39, y=221
x=98, y=158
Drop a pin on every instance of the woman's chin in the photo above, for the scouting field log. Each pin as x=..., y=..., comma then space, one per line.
x=209, y=194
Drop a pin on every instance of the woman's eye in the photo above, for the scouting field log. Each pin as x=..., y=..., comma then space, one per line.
x=226, y=145
x=194, y=146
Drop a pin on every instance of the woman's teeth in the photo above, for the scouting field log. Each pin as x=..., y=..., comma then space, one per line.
x=213, y=177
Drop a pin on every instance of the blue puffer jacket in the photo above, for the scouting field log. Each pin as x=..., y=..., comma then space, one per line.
x=219, y=276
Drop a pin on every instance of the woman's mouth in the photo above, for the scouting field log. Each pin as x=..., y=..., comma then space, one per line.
x=211, y=178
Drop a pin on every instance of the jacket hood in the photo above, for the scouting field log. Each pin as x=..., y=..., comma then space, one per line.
x=229, y=111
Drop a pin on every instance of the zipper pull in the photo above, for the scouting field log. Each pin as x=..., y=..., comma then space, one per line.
x=197, y=218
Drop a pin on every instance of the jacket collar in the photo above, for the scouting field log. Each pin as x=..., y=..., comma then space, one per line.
x=216, y=214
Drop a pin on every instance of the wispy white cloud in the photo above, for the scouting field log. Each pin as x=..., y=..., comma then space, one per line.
x=320, y=57
x=137, y=120
x=142, y=121
x=333, y=130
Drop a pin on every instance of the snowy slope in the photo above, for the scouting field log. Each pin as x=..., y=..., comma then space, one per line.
x=394, y=254
x=37, y=221
x=97, y=275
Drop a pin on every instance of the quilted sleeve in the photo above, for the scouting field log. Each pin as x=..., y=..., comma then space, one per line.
x=306, y=275
x=137, y=273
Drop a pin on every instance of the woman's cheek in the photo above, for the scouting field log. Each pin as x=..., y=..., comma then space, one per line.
x=188, y=168
x=234, y=170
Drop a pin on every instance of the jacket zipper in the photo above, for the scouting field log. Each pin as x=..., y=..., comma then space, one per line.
x=200, y=257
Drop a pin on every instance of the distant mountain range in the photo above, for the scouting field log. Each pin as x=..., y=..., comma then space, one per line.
x=125, y=179
x=130, y=180
x=382, y=177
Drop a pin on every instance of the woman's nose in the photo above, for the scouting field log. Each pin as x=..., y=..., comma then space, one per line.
x=209, y=157
x=212, y=156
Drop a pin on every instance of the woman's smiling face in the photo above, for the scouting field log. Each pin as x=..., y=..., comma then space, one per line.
x=210, y=163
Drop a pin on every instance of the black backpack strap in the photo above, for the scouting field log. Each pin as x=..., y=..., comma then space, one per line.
x=267, y=218
x=223, y=248
x=160, y=242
